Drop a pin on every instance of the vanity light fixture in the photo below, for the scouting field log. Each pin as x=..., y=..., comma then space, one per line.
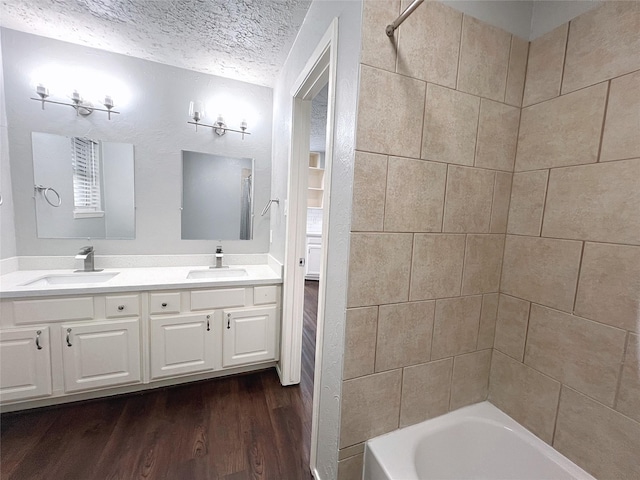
x=81, y=106
x=196, y=113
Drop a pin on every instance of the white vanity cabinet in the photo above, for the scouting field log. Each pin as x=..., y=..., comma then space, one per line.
x=69, y=347
x=100, y=354
x=182, y=344
x=250, y=336
x=314, y=257
x=25, y=363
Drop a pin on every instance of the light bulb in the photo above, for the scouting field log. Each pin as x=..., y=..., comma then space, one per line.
x=196, y=111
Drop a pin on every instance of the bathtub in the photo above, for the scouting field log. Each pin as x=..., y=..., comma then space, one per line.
x=475, y=442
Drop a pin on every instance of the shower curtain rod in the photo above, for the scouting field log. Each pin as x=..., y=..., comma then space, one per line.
x=403, y=16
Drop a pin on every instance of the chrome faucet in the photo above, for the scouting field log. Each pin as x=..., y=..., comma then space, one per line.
x=86, y=254
x=219, y=257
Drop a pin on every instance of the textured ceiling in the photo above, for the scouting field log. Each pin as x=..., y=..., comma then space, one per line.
x=241, y=39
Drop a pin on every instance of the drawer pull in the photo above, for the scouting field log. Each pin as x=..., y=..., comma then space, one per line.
x=228, y=321
x=208, y=326
x=164, y=304
x=120, y=307
x=69, y=337
x=38, y=346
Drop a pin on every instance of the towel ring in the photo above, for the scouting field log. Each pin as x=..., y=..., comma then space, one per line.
x=45, y=190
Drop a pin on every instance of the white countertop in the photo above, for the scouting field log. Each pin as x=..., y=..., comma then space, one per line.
x=130, y=279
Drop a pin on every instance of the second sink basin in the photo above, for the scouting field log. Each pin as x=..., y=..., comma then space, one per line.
x=71, y=279
x=217, y=273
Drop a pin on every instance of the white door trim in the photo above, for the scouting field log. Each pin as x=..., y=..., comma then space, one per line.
x=319, y=71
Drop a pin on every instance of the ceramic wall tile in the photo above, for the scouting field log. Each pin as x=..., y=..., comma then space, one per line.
x=580, y=353
x=390, y=113
x=629, y=395
x=379, y=268
x=488, y=316
x=468, y=200
x=511, y=326
x=415, y=195
x=360, y=342
x=429, y=43
x=497, y=135
x=563, y=131
x=501, y=200
x=484, y=59
x=378, y=50
x=621, y=138
x=603, y=43
x=541, y=270
x=517, y=69
x=404, y=334
x=470, y=380
x=544, y=69
x=526, y=395
x=370, y=406
x=602, y=441
x=609, y=285
x=425, y=391
x=450, y=125
x=528, y=193
x=436, y=267
x=369, y=186
x=482, y=264
x=456, y=325
x=599, y=203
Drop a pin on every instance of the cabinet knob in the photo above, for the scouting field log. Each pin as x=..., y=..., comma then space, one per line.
x=120, y=307
x=38, y=346
x=164, y=304
x=69, y=337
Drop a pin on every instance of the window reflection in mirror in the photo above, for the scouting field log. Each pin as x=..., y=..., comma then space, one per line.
x=217, y=193
x=85, y=187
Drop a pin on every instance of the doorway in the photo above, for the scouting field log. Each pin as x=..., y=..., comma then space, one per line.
x=304, y=189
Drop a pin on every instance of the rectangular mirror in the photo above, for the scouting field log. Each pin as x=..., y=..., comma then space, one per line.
x=217, y=195
x=83, y=188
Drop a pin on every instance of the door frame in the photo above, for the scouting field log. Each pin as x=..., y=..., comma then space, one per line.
x=320, y=70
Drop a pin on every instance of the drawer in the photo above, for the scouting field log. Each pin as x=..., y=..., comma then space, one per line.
x=265, y=295
x=122, y=306
x=164, y=303
x=52, y=310
x=220, y=298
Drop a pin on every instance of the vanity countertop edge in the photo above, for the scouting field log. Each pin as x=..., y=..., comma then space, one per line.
x=131, y=280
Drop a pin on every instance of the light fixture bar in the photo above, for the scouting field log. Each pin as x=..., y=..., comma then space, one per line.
x=218, y=127
x=76, y=106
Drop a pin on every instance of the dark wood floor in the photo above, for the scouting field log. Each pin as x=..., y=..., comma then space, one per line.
x=234, y=428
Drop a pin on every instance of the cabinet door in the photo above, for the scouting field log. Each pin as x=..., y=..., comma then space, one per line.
x=250, y=336
x=314, y=258
x=100, y=354
x=25, y=363
x=181, y=344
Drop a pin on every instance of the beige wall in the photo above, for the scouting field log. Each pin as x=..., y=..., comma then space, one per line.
x=437, y=129
x=566, y=354
x=433, y=282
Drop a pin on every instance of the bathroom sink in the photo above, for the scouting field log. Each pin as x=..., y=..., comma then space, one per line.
x=71, y=279
x=217, y=273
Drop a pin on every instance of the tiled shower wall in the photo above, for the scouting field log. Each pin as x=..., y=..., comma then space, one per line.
x=565, y=363
x=437, y=130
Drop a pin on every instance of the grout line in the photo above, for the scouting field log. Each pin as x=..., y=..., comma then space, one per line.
x=433, y=330
x=413, y=243
x=524, y=84
x=384, y=203
x=444, y=200
x=375, y=350
x=627, y=344
x=544, y=205
x=506, y=80
x=475, y=147
x=401, y=392
x=464, y=262
x=604, y=120
x=526, y=332
x=453, y=366
x=555, y=423
x=493, y=198
x=575, y=295
x=564, y=60
x=459, y=50
x=480, y=321
x=424, y=116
